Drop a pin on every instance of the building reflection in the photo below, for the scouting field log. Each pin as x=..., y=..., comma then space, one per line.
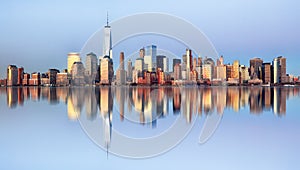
x=152, y=103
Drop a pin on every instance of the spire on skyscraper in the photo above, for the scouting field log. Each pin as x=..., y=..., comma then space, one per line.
x=107, y=18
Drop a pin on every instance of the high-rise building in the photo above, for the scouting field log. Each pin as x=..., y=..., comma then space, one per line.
x=279, y=70
x=91, y=66
x=12, y=75
x=160, y=61
x=221, y=72
x=150, y=57
x=35, y=79
x=236, y=70
x=78, y=71
x=139, y=64
x=20, y=76
x=176, y=61
x=244, y=74
x=72, y=58
x=62, y=79
x=107, y=43
x=256, y=63
x=121, y=73
x=189, y=63
x=194, y=63
x=142, y=52
x=129, y=70
x=165, y=64
x=266, y=73
x=107, y=71
x=52, y=73
x=207, y=71
x=177, y=72
x=199, y=61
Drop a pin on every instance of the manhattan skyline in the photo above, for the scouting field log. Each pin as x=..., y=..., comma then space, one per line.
x=264, y=29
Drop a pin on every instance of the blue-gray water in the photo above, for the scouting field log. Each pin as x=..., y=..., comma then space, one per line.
x=53, y=128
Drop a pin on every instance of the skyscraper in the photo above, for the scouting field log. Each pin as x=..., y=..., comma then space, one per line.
x=20, y=76
x=78, y=74
x=279, y=70
x=121, y=73
x=189, y=63
x=176, y=61
x=72, y=58
x=107, y=43
x=91, y=65
x=129, y=70
x=166, y=64
x=142, y=52
x=160, y=62
x=107, y=71
x=139, y=64
x=177, y=72
x=12, y=75
x=150, y=57
x=256, y=63
x=266, y=73
x=236, y=70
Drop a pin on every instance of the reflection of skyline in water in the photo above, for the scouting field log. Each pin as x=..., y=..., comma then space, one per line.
x=152, y=103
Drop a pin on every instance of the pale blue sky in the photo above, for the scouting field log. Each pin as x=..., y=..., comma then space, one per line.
x=38, y=35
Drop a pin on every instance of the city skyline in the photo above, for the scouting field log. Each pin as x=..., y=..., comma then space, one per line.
x=268, y=32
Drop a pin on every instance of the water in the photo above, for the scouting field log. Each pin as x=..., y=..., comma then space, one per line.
x=95, y=128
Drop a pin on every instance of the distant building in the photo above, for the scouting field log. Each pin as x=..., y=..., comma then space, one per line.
x=52, y=76
x=121, y=73
x=189, y=63
x=78, y=71
x=150, y=57
x=72, y=58
x=256, y=72
x=20, y=75
x=207, y=71
x=62, y=79
x=221, y=72
x=107, y=71
x=129, y=70
x=139, y=64
x=177, y=72
x=26, y=78
x=244, y=74
x=236, y=70
x=266, y=73
x=165, y=65
x=279, y=70
x=35, y=79
x=142, y=52
x=91, y=66
x=160, y=62
x=176, y=61
x=199, y=71
x=12, y=75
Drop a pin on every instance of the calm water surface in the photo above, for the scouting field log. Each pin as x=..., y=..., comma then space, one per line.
x=64, y=128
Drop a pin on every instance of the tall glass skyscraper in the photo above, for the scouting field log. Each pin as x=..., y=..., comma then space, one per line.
x=107, y=44
x=150, y=57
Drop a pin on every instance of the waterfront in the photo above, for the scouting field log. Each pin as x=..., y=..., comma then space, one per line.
x=259, y=127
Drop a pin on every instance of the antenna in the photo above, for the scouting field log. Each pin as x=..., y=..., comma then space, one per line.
x=107, y=18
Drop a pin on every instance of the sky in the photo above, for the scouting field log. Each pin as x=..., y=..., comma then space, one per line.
x=38, y=35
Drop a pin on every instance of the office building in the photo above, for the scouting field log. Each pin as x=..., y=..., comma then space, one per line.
x=235, y=70
x=72, y=58
x=160, y=62
x=12, y=75
x=129, y=70
x=176, y=61
x=139, y=64
x=256, y=71
x=150, y=58
x=177, y=72
x=78, y=71
x=121, y=73
x=20, y=76
x=107, y=42
x=91, y=66
x=165, y=65
x=266, y=73
x=207, y=72
x=107, y=71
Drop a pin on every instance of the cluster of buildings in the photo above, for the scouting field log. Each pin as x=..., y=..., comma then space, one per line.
x=151, y=68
